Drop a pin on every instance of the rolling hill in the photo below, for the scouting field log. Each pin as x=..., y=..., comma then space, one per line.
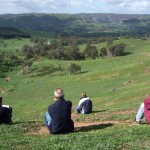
x=9, y=32
x=117, y=86
x=80, y=24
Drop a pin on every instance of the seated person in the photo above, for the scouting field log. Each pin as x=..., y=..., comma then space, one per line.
x=5, y=113
x=144, y=110
x=58, y=118
x=85, y=105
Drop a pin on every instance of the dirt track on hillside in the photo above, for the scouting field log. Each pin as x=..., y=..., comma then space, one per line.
x=87, y=126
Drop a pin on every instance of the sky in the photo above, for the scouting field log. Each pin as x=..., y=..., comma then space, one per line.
x=75, y=6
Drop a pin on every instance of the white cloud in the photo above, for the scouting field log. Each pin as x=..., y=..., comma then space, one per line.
x=134, y=5
x=74, y=6
x=19, y=6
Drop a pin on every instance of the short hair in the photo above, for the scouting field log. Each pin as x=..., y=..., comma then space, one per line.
x=1, y=99
x=83, y=94
x=59, y=93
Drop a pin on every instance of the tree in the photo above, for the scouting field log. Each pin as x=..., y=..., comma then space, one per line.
x=15, y=61
x=118, y=49
x=103, y=52
x=73, y=69
x=91, y=51
x=56, y=50
x=40, y=49
x=109, y=46
x=27, y=66
x=73, y=53
x=27, y=51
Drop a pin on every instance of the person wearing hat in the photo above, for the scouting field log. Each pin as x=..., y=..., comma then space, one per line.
x=5, y=113
x=85, y=104
x=58, y=118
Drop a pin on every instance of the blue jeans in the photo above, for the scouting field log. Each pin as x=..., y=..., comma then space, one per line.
x=140, y=113
x=48, y=119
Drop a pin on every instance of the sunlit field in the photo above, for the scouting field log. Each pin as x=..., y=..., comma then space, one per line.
x=117, y=86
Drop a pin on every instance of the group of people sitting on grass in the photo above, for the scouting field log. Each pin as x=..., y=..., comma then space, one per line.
x=58, y=117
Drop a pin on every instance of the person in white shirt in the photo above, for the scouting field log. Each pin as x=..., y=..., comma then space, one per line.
x=85, y=104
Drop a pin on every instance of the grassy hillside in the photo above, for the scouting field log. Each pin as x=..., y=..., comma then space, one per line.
x=8, y=33
x=116, y=86
x=11, y=45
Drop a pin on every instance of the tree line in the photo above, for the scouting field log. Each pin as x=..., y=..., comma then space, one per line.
x=62, y=49
x=58, y=50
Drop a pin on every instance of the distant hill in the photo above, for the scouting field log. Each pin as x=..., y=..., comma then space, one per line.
x=9, y=32
x=79, y=24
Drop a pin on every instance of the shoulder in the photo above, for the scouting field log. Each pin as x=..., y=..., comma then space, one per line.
x=5, y=109
x=69, y=103
x=51, y=106
x=84, y=99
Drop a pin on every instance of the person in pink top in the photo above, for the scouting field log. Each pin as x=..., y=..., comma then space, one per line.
x=144, y=111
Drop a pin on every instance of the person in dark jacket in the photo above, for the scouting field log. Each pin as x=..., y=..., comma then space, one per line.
x=85, y=104
x=58, y=118
x=5, y=113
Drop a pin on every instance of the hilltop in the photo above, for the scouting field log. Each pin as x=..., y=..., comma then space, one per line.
x=79, y=24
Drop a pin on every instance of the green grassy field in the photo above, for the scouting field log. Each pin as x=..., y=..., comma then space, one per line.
x=40, y=34
x=13, y=45
x=116, y=86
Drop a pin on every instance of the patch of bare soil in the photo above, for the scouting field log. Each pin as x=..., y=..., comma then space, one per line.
x=42, y=130
x=88, y=125
x=82, y=126
x=2, y=91
x=74, y=115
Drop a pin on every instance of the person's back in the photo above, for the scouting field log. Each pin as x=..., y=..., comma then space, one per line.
x=5, y=113
x=58, y=118
x=60, y=113
x=147, y=109
x=144, y=110
x=85, y=105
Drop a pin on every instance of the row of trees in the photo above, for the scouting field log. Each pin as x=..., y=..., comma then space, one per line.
x=26, y=65
x=11, y=61
x=74, y=40
x=56, y=50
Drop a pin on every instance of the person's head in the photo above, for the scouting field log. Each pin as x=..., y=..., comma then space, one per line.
x=58, y=94
x=83, y=95
x=1, y=100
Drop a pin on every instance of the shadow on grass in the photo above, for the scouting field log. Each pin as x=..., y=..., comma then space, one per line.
x=127, y=53
x=82, y=72
x=97, y=111
x=93, y=127
x=3, y=76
